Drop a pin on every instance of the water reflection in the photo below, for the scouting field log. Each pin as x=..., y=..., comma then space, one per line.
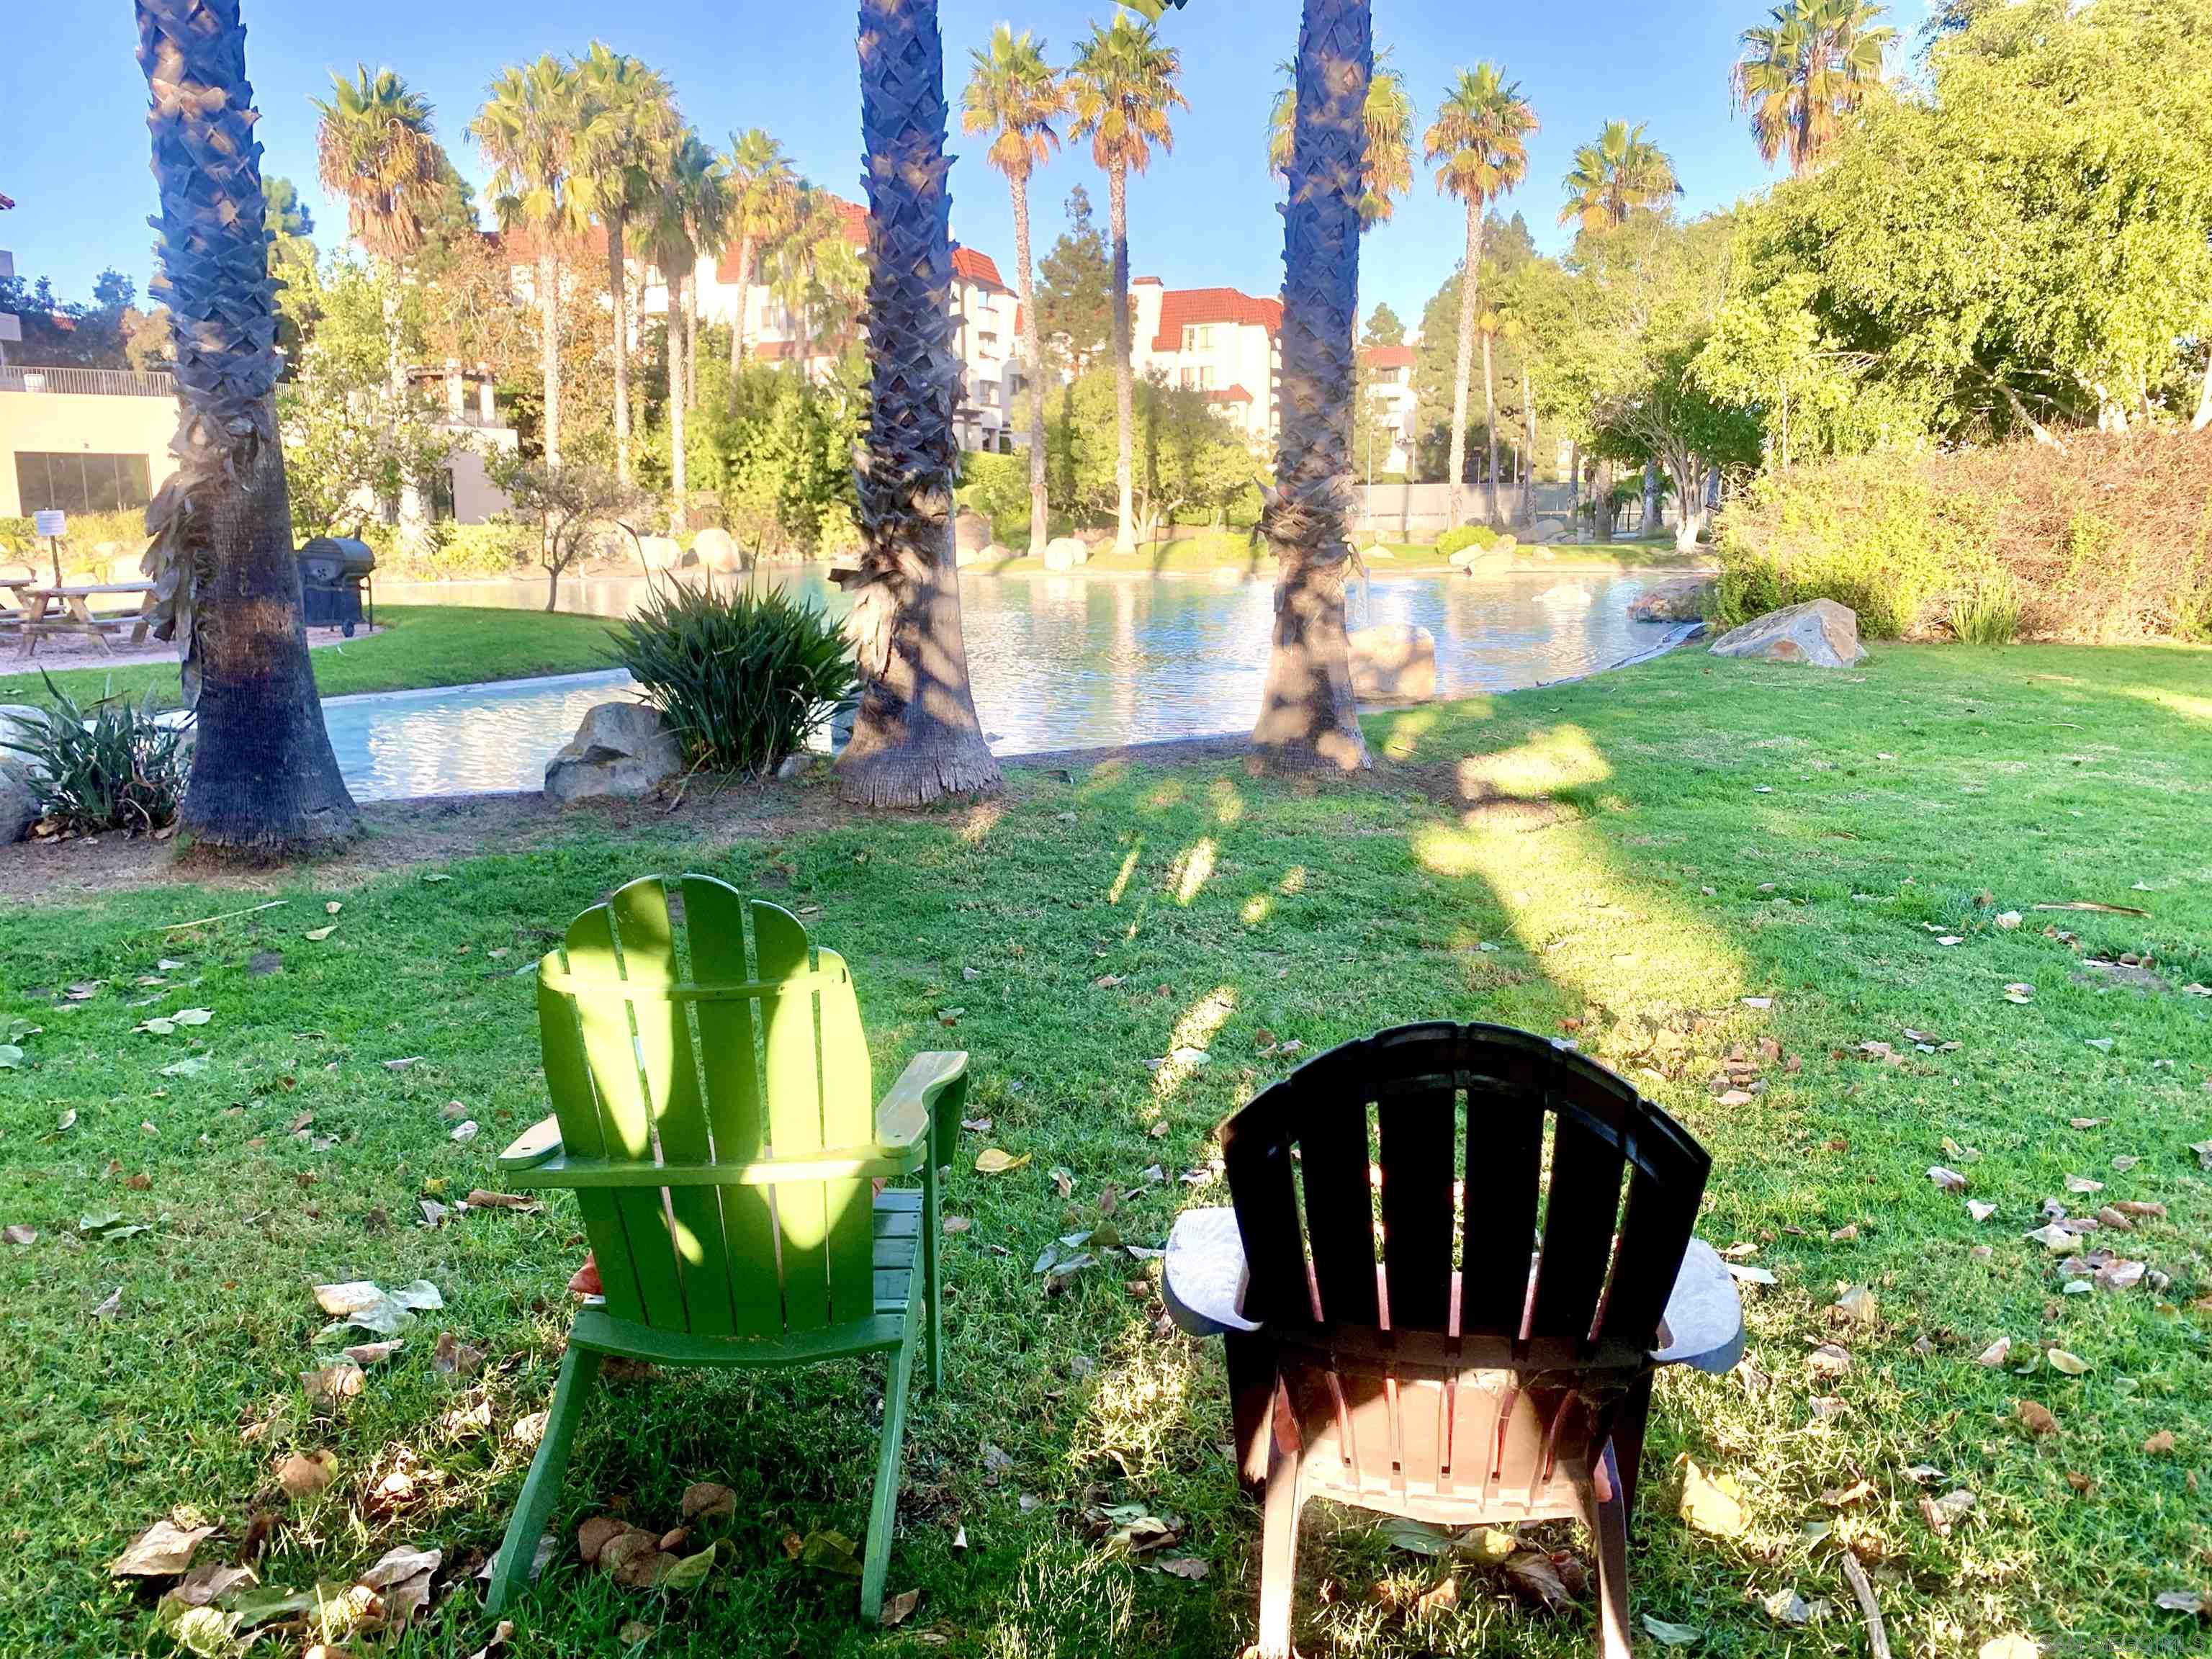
x=1058, y=662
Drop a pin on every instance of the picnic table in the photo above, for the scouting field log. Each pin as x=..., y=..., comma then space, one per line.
x=43, y=608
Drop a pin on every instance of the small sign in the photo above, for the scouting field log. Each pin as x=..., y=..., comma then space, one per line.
x=51, y=523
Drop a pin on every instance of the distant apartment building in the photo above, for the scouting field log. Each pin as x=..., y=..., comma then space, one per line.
x=1390, y=388
x=1217, y=341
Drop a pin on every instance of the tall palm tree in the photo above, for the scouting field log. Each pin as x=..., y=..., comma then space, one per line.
x=1014, y=94
x=1621, y=175
x=689, y=203
x=915, y=737
x=1517, y=327
x=1487, y=322
x=375, y=152
x=532, y=130
x=1389, y=172
x=1479, y=143
x=1121, y=88
x=629, y=124
x=763, y=196
x=226, y=584
x=1803, y=73
x=1308, y=716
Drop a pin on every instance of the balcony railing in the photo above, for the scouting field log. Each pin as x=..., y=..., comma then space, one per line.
x=98, y=382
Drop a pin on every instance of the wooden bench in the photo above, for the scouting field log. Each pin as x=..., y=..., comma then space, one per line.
x=48, y=610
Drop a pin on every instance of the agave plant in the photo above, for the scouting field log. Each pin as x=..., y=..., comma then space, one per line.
x=121, y=768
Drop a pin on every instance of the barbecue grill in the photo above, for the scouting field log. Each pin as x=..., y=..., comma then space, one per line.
x=334, y=582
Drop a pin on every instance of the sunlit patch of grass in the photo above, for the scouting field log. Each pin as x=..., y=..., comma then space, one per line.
x=1559, y=759
x=1193, y=868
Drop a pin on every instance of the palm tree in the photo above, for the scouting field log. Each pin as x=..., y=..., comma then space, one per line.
x=1015, y=95
x=532, y=130
x=763, y=195
x=1308, y=716
x=375, y=152
x=1121, y=87
x=1486, y=323
x=629, y=120
x=1804, y=72
x=1389, y=173
x=1617, y=178
x=1517, y=329
x=689, y=203
x=915, y=737
x=264, y=781
x=1479, y=143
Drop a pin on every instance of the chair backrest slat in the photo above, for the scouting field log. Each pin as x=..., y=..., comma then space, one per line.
x=1417, y=1133
x=1581, y=1209
x=848, y=1112
x=1335, y=1171
x=1263, y=1185
x=576, y=1108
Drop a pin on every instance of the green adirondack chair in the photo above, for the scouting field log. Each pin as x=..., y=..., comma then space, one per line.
x=726, y=1183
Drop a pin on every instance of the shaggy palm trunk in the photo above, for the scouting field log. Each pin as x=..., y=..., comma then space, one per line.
x=1309, y=717
x=549, y=349
x=744, y=303
x=618, y=291
x=264, y=781
x=679, y=509
x=1117, y=200
x=1470, y=292
x=1489, y=430
x=1033, y=350
x=915, y=737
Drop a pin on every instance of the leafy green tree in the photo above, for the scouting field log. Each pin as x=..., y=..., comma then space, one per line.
x=915, y=739
x=1122, y=89
x=629, y=124
x=532, y=130
x=375, y=150
x=762, y=192
x=1075, y=301
x=1508, y=245
x=1621, y=177
x=1803, y=73
x=1479, y=144
x=1014, y=95
x=265, y=781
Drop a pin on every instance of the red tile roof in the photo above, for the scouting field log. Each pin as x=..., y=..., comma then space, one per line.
x=1181, y=308
x=851, y=220
x=1234, y=394
x=970, y=266
x=1389, y=356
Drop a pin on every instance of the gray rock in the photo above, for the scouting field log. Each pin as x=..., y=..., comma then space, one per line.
x=971, y=532
x=1394, y=664
x=1677, y=602
x=659, y=552
x=19, y=799
x=621, y=749
x=1823, y=633
x=1066, y=553
x=795, y=766
x=718, y=550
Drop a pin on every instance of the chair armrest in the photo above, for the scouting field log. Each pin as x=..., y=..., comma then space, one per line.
x=540, y=1141
x=926, y=1100
x=1704, y=1325
x=1203, y=1284
x=831, y=1164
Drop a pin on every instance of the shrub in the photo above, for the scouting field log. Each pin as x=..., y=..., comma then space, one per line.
x=1987, y=613
x=122, y=770
x=1461, y=536
x=17, y=536
x=998, y=487
x=744, y=679
x=457, y=552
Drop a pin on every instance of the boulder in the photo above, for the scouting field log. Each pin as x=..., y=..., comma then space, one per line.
x=1557, y=531
x=19, y=800
x=1095, y=538
x=718, y=550
x=1394, y=664
x=1066, y=553
x=994, y=554
x=621, y=749
x=1468, y=560
x=1823, y=632
x=1676, y=602
x=971, y=532
x=659, y=552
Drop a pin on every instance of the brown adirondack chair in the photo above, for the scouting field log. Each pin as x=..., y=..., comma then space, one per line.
x=726, y=1185
x=1392, y=1344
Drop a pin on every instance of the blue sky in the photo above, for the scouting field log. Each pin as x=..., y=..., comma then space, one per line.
x=73, y=143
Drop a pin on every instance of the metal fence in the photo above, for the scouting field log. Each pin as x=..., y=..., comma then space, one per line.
x=96, y=382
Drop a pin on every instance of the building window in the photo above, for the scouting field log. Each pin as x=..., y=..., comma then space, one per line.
x=1198, y=336
x=81, y=483
x=441, y=496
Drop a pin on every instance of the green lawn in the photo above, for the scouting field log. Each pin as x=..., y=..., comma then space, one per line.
x=424, y=644
x=1652, y=849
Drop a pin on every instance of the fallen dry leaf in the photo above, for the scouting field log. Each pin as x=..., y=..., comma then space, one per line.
x=2159, y=1443
x=898, y=1608
x=1857, y=1304
x=2071, y=1364
x=2010, y=1647
x=304, y=1473
x=706, y=1501
x=2035, y=1419
x=163, y=1549
x=1193, y=1567
x=991, y=1160
x=1996, y=1354
x=333, y=1382
x=1712, y=1503
x=1949, y=1180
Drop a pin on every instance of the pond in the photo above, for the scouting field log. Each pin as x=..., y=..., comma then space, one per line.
x=1057, y=662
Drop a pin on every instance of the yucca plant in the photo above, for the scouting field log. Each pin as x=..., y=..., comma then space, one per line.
x=1989, y=612
x=121, y=768
x=744, y=679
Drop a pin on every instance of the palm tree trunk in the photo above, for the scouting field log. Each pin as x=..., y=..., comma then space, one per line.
x=678, y=460
x=1575, y=494
x=1490, y=429
x=265, y=782
x=744, y=303
x=618, y=291
x=1033, y=352
x=549, y=349
x=1470, y=292
x=1117, y=195
x=1529, y=470
x=1651, y=519
x=915, y=737
x=690, y=342
x=1308, y=715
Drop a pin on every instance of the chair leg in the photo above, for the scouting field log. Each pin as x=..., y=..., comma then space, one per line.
x=932, y=1289
x=579, y=1369
x=1251, y=1394
x=1609, y=1526
x=1279, y=1549
x=882, y=1512
x=1628, y=1441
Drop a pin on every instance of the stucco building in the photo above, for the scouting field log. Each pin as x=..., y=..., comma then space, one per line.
x=1220, y=341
